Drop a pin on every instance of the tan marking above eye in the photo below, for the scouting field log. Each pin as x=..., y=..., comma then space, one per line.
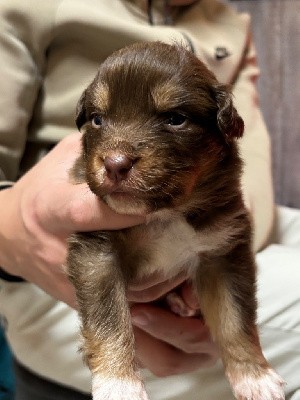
x=166, y=96
x=101, y=96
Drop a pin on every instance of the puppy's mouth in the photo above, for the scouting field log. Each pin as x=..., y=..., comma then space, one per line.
x=120, y=189
x=125, y=201
x=124, y=196
x=121, y=195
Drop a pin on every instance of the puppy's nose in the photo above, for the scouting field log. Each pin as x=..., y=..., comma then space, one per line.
x=117, y=166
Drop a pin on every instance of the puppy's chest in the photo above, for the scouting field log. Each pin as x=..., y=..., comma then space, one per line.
x=168, y=246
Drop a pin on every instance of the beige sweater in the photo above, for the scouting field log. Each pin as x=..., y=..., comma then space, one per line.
x=49, y=51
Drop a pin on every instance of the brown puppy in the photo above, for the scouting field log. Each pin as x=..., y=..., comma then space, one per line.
x=159, y=137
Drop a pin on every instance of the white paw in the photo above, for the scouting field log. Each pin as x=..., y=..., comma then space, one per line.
x=105, y=388
x=178, y=306
x=266, y=387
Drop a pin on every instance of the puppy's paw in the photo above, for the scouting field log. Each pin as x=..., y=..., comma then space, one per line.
x=105, y=388
x=268, y=385
x=178, y=306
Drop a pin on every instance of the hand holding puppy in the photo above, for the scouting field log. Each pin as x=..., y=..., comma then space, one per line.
x=39, y=213
x=168, y=344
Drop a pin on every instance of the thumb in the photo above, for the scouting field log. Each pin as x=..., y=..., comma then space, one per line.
x=80, y=210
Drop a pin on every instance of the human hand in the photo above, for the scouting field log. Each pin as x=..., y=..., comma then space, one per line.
x=166, y=343
x=39, y=213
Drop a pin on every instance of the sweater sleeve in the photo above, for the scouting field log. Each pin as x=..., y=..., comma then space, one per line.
x=25, y=31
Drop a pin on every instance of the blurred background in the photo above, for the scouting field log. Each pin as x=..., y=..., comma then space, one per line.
x=276, y=32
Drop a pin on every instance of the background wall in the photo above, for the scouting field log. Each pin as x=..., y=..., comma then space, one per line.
x=276, y=31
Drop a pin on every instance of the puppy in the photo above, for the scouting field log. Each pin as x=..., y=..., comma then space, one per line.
x=159, y=138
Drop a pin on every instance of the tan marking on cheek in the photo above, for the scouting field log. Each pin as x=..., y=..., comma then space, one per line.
x=198, y=173
x=191, y=181
x=101, y=96
x=96, y=167
x=201, y=169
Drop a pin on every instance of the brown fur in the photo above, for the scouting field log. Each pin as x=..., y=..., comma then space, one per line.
x=162, y=111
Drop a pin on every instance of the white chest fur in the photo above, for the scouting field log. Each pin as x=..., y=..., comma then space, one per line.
x=171, y=244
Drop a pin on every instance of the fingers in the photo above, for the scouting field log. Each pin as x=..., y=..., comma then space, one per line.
x=164, y=360
x=53, y=280
x=153, y=288
x=190, y=335
x=61, y=289
x=82, y=211
x=189, y=296
x=168, y=344
x=65, y=292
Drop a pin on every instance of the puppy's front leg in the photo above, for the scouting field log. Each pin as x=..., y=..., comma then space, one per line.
x=108, y=342
x=226, y=287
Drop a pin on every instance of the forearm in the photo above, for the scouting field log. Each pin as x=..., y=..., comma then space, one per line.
x=7, y=221
x=255, y=150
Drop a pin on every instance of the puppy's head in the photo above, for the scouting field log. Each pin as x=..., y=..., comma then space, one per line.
x=156, y=123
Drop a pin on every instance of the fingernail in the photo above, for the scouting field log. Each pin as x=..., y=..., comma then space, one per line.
x=140, y=319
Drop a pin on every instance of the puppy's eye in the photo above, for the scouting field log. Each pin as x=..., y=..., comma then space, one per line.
x=96, y=121
x=175, y=119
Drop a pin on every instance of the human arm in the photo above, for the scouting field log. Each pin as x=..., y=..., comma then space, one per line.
x=255, y=150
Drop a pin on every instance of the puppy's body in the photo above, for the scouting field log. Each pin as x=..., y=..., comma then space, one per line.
x=159, y=138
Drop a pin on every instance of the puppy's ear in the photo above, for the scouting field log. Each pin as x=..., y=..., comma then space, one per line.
x=81, y=117
x=229, y=122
